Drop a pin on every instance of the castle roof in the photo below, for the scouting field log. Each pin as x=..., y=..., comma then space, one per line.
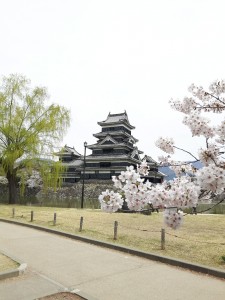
x=117, y=118
x=114, y=133
x=149, y=159
x=66, y=150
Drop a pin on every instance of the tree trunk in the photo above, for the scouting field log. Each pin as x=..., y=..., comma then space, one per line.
x=11, y=176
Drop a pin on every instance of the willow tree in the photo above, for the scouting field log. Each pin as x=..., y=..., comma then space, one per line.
x=29, y=128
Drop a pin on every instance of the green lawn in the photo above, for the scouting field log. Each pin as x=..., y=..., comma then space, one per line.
x=200, y=240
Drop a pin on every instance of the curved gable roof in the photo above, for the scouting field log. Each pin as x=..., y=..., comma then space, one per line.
x=117, y=118
x=108, y=138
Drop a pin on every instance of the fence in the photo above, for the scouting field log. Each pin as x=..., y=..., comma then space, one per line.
x=31, y=217
x=111, y=230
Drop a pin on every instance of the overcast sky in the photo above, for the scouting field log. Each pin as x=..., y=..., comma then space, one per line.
x=101, y=56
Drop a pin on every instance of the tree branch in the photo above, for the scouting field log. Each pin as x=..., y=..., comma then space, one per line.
x=187, y=152
x=217, y=98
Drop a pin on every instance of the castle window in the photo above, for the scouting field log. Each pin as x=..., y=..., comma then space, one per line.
x=106, y=151
x=105, y=164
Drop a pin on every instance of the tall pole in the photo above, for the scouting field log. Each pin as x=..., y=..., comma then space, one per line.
x=82, y=194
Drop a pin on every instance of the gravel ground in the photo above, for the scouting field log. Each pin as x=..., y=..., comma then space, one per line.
x=62, y=296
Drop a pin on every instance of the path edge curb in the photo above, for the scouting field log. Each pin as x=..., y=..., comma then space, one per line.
x=13, y=272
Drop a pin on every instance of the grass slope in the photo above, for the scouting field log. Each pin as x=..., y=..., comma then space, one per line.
x=7, y=263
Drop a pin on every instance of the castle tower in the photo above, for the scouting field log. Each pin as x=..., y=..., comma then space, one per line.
x=114, y=150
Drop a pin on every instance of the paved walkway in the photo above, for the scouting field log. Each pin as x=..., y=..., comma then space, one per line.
x=57, y=263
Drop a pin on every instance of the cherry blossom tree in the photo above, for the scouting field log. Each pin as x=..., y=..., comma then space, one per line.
x=209, y=181
x=191, y=185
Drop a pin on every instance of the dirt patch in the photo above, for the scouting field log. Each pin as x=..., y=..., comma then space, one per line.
x=62, y=296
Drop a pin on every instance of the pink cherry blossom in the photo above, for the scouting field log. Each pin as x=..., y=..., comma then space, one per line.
x=191, y=185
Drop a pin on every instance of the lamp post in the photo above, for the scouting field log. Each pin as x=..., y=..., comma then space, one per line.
x=82, y=194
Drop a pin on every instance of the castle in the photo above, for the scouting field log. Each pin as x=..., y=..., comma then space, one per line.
x=114, y=150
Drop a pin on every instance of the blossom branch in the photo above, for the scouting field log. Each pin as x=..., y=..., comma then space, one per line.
x=186, y=152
